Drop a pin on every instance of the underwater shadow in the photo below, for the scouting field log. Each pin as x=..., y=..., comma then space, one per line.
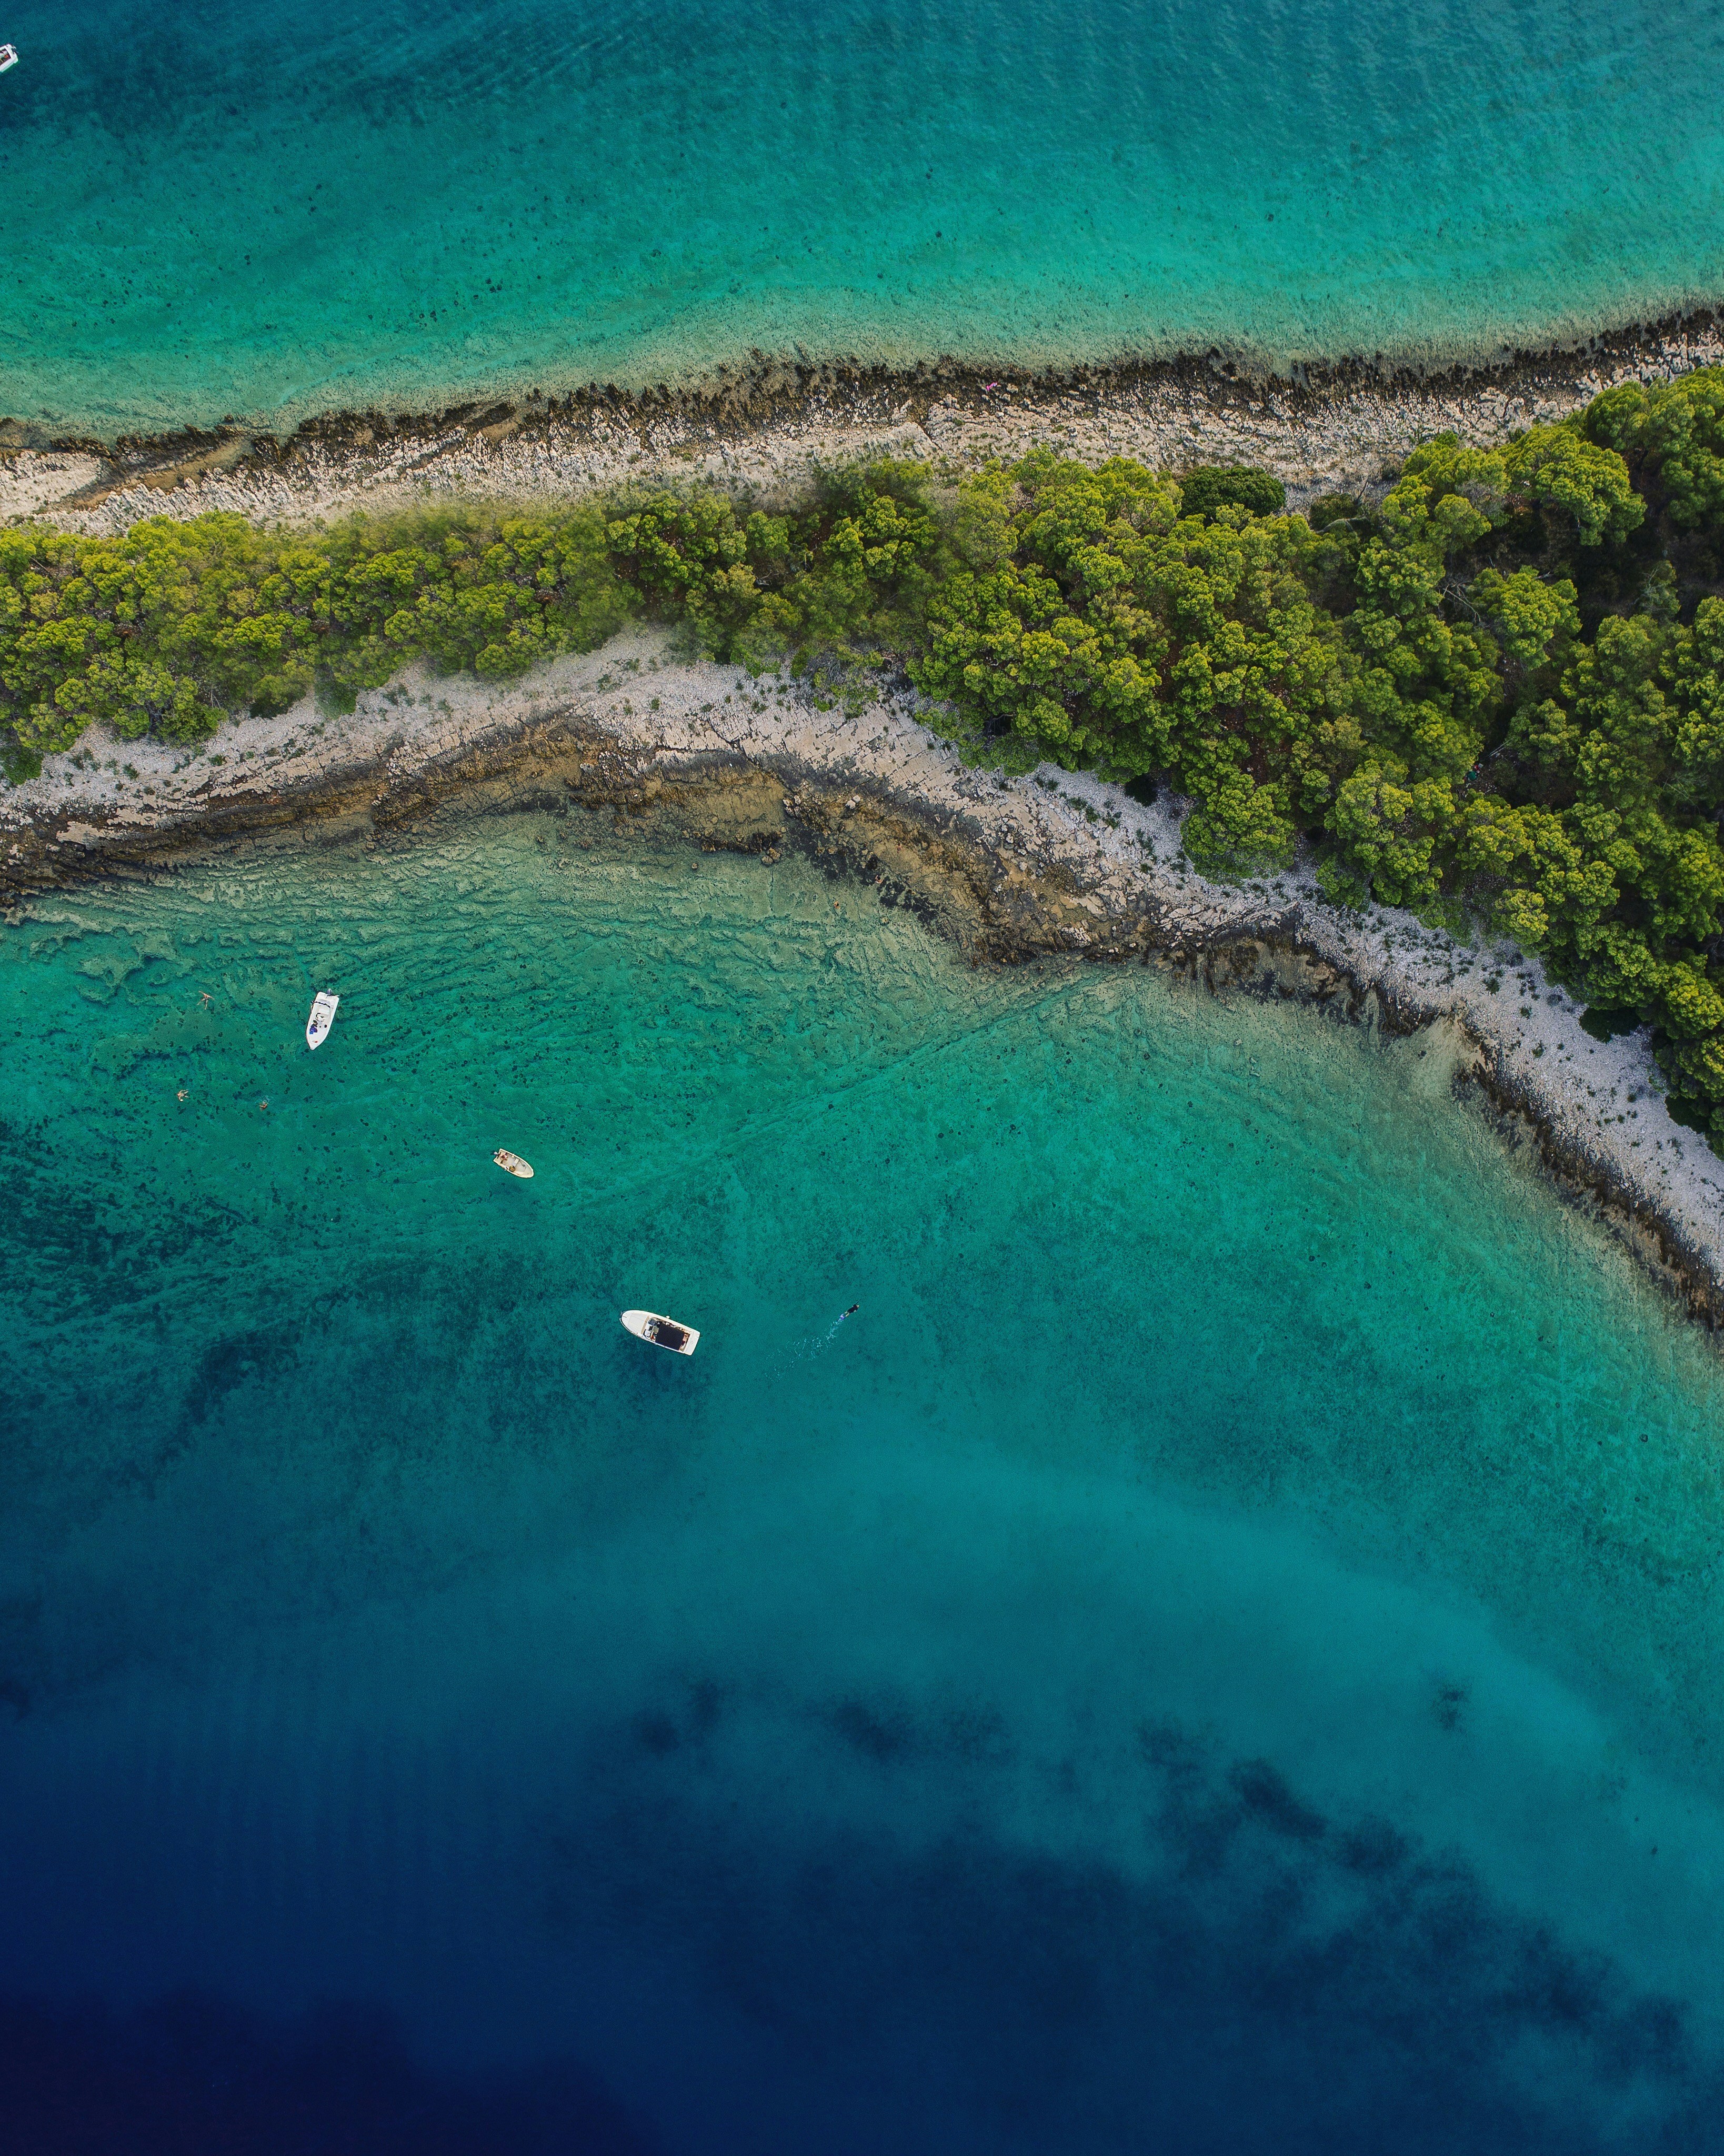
x=1247, y=1975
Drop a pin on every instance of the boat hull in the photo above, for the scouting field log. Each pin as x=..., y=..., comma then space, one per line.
x=324, y=1007
x=642, y=1324
x=512, y=1163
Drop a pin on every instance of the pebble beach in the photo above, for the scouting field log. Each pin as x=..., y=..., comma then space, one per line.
x=761, y=431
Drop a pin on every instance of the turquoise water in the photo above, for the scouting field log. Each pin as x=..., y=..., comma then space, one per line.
x=238, y=208
x=1221, y=1652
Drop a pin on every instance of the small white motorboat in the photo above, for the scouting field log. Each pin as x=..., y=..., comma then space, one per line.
x=662, y=1332
x=8, y=57
x=322, y=1018
x=513, y=1162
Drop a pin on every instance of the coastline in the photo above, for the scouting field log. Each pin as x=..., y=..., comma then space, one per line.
x=762, y=429
x=1055, y=863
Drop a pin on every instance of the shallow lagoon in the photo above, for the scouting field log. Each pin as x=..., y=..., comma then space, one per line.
x=1221, y=1652
x=247, y=207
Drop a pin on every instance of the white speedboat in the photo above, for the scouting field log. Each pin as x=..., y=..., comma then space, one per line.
x=662, y=1332
x=8, y=57
x=322, y=1018
x=513, y=1163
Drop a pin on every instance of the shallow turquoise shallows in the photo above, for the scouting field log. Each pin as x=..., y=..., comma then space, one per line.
x=1223, y=1650
x=251, y=209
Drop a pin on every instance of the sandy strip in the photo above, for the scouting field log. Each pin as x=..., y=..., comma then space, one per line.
x=1009, y=869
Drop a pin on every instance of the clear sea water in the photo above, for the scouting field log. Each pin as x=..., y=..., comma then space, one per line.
x=242, y=207
x=1222, y=1652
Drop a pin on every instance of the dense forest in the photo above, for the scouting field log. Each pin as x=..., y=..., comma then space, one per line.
x=1494, y=696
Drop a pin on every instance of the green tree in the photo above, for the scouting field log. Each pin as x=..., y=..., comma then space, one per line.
x=1672, y=435
x=1582, y=489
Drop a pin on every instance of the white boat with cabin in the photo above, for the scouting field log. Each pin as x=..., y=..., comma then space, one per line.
x=513, y=1163
x=322, y=1018
x=662, y=1332
x=8, y=58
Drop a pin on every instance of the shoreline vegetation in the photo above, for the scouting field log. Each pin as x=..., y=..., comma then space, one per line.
x=1496, y=693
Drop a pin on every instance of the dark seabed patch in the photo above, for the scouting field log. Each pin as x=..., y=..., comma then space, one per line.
x=1257, y=1977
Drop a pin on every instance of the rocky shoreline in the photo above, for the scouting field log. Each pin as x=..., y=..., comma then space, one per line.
x=763, y=428
x=1008, y=870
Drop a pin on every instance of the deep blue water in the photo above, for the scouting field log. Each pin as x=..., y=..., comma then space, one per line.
x=1221, y=1653
x=242, y=207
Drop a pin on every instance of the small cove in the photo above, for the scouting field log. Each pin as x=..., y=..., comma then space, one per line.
x=1245, y=1586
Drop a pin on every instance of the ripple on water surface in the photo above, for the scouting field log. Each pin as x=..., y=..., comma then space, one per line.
x=1220, y=1650
x=260, y=210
